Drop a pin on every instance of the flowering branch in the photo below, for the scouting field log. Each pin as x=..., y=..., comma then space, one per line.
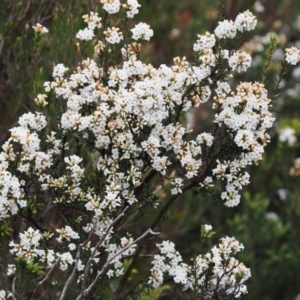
x=119, y=138
x=160, y=215
x=77, y=257
x=88, y=290
x=88, y=265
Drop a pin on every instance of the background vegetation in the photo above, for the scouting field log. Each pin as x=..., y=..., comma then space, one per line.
x=267, y=220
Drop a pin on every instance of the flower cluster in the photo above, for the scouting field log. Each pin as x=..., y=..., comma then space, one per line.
x=246, y=116
x=5, y=295
x=129, y=116
x=132, y=8
x=92, y=20
x=245, y=21
x=240, y=61
x=287, y=134
x=205, y=41
x=142, y=31
x=292, y=55
x=217, y=272
x=39, y=29
x=226, y=29
x=29, y=247
x=113, y=36
x=86, y=34
x=111, y=6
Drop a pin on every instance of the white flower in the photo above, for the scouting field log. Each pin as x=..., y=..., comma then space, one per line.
x=205, y=41
x=93, y=20
x=160, y=164
x=111, y=6
x=223, y=87
x=258, y=6
x=272, y=216
x=287, y=134
x=110, y=273
x=30, y=237
x=131, y=8
x=5, y=295
x=282, y=194
x=38, y=28
x=11, y=270
x=80, y=266
x=113, y=36
x=65, y=259
x=207, y=182
x=240, y=61
x=72, y=246
x=222, y=265
x=59, y=70
x=245, y=21
x=70, y=119
x=208, y=59
x=207, y=228
x=244, y=138
x=142, y=31
x=112, y=200
x=72, y=160
x=225, y=54
x=205, y=138
x=292, y=55
x=86, y=34
x=177, y=183
x=231, y=198
x=36, y=122
x=226, y=29
x=67, y=233
x=40, y=100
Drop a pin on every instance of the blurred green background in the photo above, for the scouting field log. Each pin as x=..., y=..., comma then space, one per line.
x=267, y=221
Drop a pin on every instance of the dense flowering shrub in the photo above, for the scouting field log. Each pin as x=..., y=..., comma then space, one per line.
x=77, y=187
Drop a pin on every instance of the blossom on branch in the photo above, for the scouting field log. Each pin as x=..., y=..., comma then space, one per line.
x=119, y=140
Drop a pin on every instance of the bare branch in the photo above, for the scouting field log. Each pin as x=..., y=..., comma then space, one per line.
x=88, y=290
x=88, y=264
x=14, y=288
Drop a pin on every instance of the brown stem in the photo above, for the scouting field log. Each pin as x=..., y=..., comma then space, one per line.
x=281, y=74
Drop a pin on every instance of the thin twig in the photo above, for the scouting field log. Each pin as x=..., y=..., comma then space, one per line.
x=279, y=79
x=13, y=288
x=77, y=257
x=45, y=278
x=88, y=290
x=271, y=50
x=88, y=264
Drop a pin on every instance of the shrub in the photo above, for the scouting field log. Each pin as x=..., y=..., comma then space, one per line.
x=81, y=189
